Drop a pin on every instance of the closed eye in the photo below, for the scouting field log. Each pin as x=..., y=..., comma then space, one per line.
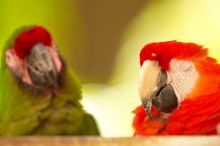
x=188, y=69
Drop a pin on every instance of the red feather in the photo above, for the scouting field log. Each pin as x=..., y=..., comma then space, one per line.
x=163, y=52
x=145, y=126
x=199, y=113
x=27, y=39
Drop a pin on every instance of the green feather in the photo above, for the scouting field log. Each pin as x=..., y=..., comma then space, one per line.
x=23, y=112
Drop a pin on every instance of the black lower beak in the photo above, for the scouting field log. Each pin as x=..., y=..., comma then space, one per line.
x=164, y=100
x=147, y=107
x=41, y=67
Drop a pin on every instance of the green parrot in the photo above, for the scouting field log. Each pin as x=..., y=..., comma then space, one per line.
x=39, y=94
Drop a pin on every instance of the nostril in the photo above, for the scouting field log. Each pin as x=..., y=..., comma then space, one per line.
x=36, y=68
x=44, y=56
x=51, y=74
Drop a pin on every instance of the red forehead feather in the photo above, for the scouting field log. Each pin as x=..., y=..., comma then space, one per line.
x=27, y=39
x=163, y=52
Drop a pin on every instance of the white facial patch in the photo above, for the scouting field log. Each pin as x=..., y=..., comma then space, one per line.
x=13, y=62
x=182, y=76
x=17, y=66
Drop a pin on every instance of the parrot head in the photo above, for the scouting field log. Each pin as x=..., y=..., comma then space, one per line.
x=34, y=59
x=172, y=72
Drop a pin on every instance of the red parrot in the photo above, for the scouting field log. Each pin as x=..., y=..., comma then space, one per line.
x=179, y=88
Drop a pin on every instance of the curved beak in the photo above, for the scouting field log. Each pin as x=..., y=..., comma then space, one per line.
x=154, y=89
x=149, y=73
x=41, y=67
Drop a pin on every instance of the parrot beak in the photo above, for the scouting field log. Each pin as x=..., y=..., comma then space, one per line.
x=148, y=79
x=41, y=67
x=154, y=89
x=147, y=83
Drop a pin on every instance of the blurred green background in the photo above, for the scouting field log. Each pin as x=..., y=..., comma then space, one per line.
x=101, y=40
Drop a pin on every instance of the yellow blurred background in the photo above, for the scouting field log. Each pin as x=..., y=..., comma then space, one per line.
x=101, y=40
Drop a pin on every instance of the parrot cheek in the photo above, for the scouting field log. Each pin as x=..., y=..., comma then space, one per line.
x=17, y=66
x=14, y=63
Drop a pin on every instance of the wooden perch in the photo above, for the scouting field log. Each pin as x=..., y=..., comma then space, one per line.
x=98, y=141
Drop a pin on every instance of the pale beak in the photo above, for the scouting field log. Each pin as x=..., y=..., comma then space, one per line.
x=147, y=83
x=149, y=73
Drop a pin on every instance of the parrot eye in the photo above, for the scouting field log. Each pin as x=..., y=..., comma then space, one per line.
x=185, y=66
x=8, y=58
x=188, y=68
